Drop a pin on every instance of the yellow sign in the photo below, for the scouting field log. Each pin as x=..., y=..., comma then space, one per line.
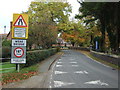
x=20, y=26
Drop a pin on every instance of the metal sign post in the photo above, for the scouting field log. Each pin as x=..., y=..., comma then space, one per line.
x=18, y=67
x=19, y=36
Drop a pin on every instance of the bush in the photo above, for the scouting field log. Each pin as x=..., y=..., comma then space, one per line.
x=6, y=52
x=6, y=43
x=34, y=57
x=58, y=49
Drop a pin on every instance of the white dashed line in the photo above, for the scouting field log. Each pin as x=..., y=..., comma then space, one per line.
x=59, y=59
x=73, y=62
x=81, y=72
x=72, y=59
x=60, y=72
x=50, y=86
x=58, y=65
x=74, y=65
x=59, y=62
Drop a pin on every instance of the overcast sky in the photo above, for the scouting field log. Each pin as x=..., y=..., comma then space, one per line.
x=8, y=7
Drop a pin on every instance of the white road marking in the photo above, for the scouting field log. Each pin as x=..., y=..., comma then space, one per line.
x=60, y=72
x=73, y=62
x=97, y=82
x=74, y=65
x=50, y=86
x=85, y=72
x=51, y=76
x=59, y=62
x=59, y=59
x=60, y=83
x=50, y=81
x=81, y=72
x=58, y=65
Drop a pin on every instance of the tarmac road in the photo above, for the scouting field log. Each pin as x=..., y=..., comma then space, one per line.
x=75, y=70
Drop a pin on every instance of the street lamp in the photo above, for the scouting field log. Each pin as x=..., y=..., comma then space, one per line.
x=4, y=29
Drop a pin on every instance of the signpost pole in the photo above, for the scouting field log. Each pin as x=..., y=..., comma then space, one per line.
x=18, y=67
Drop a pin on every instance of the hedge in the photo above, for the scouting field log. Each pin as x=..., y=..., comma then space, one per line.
x=6, y=52
x=36, y=56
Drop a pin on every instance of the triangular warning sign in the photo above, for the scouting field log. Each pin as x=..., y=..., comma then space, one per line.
x=20, y=22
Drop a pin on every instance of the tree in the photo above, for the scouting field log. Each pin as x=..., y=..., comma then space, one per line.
x=43, y=20
x=76, y=33
x=106, y=15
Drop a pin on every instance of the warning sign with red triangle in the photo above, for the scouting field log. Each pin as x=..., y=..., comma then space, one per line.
x=20, y=22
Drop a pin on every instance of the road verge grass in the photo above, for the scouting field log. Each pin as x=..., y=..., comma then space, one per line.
x=15, y=76
x=87, y=53
x=6, y=67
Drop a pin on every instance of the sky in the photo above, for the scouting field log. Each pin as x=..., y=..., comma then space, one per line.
x=8, y=7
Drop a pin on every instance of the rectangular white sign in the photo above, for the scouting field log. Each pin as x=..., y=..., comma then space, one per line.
x=18, y=54
x=20, y=32
x=18, y=60
x=18, y=42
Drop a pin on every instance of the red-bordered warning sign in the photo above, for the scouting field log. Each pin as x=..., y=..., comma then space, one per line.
x=18, y=52
x=20, y=22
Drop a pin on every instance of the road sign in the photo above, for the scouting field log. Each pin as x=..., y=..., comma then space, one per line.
x=20, y=22
x=20, y=26
x=18, y=42
x=20, y=32
x=18, y=55
x=18, y=52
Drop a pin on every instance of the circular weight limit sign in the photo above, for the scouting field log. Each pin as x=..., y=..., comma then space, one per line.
x=18, y=52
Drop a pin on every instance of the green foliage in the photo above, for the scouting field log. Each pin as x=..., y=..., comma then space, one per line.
x=43, y=18
x=58, y=49
x=34, y=57
x=6, y=43
x=107, y=16
x=6, y=52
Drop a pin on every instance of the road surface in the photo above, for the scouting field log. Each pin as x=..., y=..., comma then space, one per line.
x=75, y=70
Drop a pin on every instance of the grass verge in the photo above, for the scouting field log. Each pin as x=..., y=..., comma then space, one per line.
x=6, y=67
x=99, y=60
x=15, y=76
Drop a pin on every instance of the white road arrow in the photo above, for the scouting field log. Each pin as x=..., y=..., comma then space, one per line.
x=97, y=82
x=60, y=84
